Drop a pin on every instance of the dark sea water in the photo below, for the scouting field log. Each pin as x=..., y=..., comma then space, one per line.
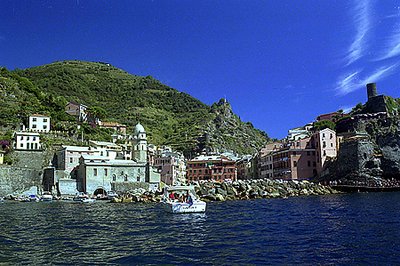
x=347, y=229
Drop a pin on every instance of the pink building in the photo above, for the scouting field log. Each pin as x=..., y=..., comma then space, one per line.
x=265, y=160
x=295, y=161
x=304, y=158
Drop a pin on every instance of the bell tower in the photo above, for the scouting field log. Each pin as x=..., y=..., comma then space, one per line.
x=139, y=147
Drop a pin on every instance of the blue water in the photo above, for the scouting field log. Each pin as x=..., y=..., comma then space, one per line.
x=347, y=229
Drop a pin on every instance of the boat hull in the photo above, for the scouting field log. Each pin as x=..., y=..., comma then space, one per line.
x=178, y=207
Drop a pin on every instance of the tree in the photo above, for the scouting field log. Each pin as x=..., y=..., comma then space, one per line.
x=320, y=125
x=97, y=112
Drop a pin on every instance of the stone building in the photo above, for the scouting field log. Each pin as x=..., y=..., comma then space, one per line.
x=97, y=175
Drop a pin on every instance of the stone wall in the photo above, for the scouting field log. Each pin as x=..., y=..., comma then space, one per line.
x=18, y=180
x=25, y=173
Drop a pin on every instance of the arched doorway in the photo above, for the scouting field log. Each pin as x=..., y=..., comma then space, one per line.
x=100, y=191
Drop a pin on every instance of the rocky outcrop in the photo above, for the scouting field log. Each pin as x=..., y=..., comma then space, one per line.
x=370, y=153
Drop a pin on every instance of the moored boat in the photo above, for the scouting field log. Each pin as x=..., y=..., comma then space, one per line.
x=47, y=196
x=88, y=200
x=182, y=199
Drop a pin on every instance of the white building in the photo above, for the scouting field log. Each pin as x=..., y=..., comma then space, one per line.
x=27, y=141
x=39, y=123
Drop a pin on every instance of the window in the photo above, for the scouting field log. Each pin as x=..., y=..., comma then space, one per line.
x=323, y=135
x=308, y=163
x=323, y=144
x=21, y=145
x=106, y=172
x=308, y=153
x=34, y=138
x=34, y=126
x=71, y=160
x=331, y=144
x=44, y=119
x=27, y=138
x=44, y=126
x=331, y=135
x=95, y=171
x=138, y=178
x=313, y=153
x=294, y=163
x=34, y=119
x=114, y=177
x=126, y=178
x=324, y=153
x=314, y=164
x=22, y=138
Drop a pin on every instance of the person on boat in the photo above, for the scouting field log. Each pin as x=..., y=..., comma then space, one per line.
x=189, y=199
x=171, y=196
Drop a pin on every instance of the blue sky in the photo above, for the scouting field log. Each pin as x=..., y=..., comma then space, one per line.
x=279, y=63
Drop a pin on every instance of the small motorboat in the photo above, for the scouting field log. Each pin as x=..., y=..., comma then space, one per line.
x=80, y=196
x=33, y=198
x=88, y=200
x=47, y=196
x=182, y=199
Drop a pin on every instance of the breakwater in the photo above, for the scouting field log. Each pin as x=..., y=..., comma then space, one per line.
x=238, y=190
x=259, y=188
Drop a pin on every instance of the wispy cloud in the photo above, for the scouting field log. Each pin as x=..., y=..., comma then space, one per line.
x=361, y=14
x=345, y=84
x=352, y=81
x=392, y=45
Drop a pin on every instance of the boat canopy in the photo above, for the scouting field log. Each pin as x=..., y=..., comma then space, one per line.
x=180, y=188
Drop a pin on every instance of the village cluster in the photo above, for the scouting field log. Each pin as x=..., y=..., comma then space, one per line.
x=130, y=162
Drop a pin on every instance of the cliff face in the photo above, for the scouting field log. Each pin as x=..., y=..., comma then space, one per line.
x=370, y=153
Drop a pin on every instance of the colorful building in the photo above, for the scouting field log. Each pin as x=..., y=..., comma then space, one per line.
x=217, y=168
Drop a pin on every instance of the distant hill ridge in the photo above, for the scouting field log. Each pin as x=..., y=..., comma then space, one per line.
x=171, y=117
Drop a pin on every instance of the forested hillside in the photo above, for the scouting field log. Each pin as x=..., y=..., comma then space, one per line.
x=170, y=117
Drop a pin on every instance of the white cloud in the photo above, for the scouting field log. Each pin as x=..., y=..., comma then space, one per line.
x=392, y=45
x=352, y=82
x=345, y=84
x=362, y=22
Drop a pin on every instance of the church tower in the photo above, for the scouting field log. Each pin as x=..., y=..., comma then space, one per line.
x=139, y=144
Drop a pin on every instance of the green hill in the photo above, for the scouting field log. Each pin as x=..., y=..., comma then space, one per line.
x=171, y=117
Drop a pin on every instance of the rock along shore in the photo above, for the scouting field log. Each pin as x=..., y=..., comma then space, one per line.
x=259, y=188
x=239, y=190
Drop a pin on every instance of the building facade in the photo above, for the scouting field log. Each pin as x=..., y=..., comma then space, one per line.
x=172, y=167
x=98, y=174
x=27, y=141
x=216, y=168
x=39, y=123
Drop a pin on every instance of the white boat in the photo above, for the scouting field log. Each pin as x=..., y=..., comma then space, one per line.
x=182, y=199
x=47, y=196
x=88, y=200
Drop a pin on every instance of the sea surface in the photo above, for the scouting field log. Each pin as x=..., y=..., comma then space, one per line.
x=345, y=229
